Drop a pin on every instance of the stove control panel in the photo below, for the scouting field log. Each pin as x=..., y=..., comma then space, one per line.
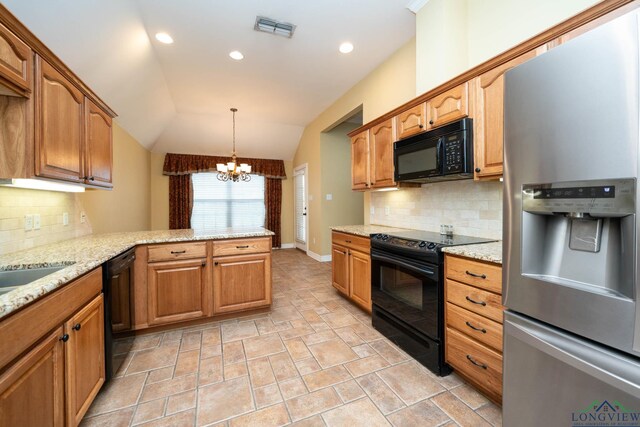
x=405, y=243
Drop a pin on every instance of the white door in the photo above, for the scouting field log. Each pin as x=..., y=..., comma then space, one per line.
x=300, y=196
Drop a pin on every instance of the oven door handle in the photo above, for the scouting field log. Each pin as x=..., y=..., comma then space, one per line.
x=425, y=271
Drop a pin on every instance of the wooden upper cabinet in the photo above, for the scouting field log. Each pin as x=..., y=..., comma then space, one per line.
x=178, y=290
x=98, y=145
x=32, y=390
x=59, y=126
x=360, y=161
x=411, y=121
x=241, y=282
x=488, y=120
x=16, y=64
x=448, y=106
x=85, y=370
x=381, y=159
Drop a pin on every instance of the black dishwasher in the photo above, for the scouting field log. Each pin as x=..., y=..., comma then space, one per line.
x=117, y=278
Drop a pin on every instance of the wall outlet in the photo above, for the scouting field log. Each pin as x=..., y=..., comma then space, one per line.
x=36, y=221
x=28, y=222
x=387, y=210
x=329, y=196
x=83, y=217
x=65, y=218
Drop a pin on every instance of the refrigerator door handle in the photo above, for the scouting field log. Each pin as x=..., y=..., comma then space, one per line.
x=608, y=366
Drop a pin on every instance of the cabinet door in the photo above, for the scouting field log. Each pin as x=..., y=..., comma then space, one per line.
x=449, y=106
x=84, y=359
x=98, y=145
x=16, y=61
x=360, y=278
x=488, y=121
x=360, y=161
x=241, y=282
x=59, y=126
x=177, y=290
x=340, y=268
x=121, y=301
x=381, y=142
x=411, y=121
x=32, y=390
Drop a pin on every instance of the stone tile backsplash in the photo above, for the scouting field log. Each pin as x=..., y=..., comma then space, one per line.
x=16, y=203
x=473, y=208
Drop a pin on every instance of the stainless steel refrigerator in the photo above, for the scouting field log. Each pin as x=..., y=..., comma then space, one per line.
x=570, y=257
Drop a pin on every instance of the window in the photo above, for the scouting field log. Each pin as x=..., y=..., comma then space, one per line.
x=227, y=204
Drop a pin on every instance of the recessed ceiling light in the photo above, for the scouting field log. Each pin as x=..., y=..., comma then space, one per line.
x=164, y=38
x=237, y=55
x=346, y=47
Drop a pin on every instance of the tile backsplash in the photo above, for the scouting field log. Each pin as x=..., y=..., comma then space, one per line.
x=473, y=208
x=16, y=203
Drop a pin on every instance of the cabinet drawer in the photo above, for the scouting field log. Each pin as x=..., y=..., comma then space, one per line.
x=177, y=251
x=481, y=302
x=480, y=328
x=480, y=274
x=477, y=362
x=351, y=241
x=241, y=246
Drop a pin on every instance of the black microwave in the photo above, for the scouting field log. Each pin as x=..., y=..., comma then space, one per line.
x=442, y=154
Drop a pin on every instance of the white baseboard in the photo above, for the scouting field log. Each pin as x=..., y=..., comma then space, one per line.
x=321, y=258
x=287, y=246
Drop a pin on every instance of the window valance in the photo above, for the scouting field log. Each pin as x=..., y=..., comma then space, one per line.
x=186, y=164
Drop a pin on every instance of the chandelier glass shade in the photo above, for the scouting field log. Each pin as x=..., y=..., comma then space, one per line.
x=233, y=171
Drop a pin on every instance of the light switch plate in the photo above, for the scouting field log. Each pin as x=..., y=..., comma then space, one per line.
x=329, y=196
x=28, y=222
x=36, y=221
x=65, y=218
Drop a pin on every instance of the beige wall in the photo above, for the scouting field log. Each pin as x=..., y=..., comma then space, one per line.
x=345, y=206
x=483, y=29
x=386, y=87
x=127, y=206
x=159, y=193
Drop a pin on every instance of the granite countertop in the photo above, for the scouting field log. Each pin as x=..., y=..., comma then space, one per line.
x=366, y=230
x=491, y=252
x=79, y=256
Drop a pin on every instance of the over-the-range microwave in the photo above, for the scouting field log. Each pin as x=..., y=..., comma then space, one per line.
x=442, y=154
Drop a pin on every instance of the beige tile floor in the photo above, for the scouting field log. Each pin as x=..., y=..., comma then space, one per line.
x=314, y=360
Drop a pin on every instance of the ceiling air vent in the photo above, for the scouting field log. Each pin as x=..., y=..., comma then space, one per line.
x=271, y=26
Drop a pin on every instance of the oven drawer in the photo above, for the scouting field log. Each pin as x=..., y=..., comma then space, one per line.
x=177, y=251
x=480, y=364
x=477, y=300
x=480, y=328
x=480, y=274
x=352, y=241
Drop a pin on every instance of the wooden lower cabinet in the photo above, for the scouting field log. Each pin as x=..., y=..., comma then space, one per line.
x=351, y=267
x=241, y=282
x=85, y=365
x=121, y=301
x=473, y=316
x=178, y=291
x=32, y=390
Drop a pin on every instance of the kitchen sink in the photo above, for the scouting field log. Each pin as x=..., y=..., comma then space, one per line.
x=13, y=279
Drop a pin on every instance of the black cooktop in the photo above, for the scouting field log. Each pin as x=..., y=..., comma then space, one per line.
x=424, y=240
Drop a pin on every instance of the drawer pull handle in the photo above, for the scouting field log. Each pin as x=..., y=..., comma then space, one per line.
x=484, y=331
x=482, y=303
x=242, y=247
x=481, y=276
x=480, y=365
x=77, y=327
x=179, y=252
x=216, y=263
x=64, y=338
x=348, y=241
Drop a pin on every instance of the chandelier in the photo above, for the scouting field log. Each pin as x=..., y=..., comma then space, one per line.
x=233, y=171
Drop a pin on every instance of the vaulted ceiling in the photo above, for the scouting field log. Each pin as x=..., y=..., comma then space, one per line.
x=176, y=98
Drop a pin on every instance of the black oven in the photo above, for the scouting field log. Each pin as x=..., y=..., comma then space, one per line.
x=407, y=300
x=443, y=154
